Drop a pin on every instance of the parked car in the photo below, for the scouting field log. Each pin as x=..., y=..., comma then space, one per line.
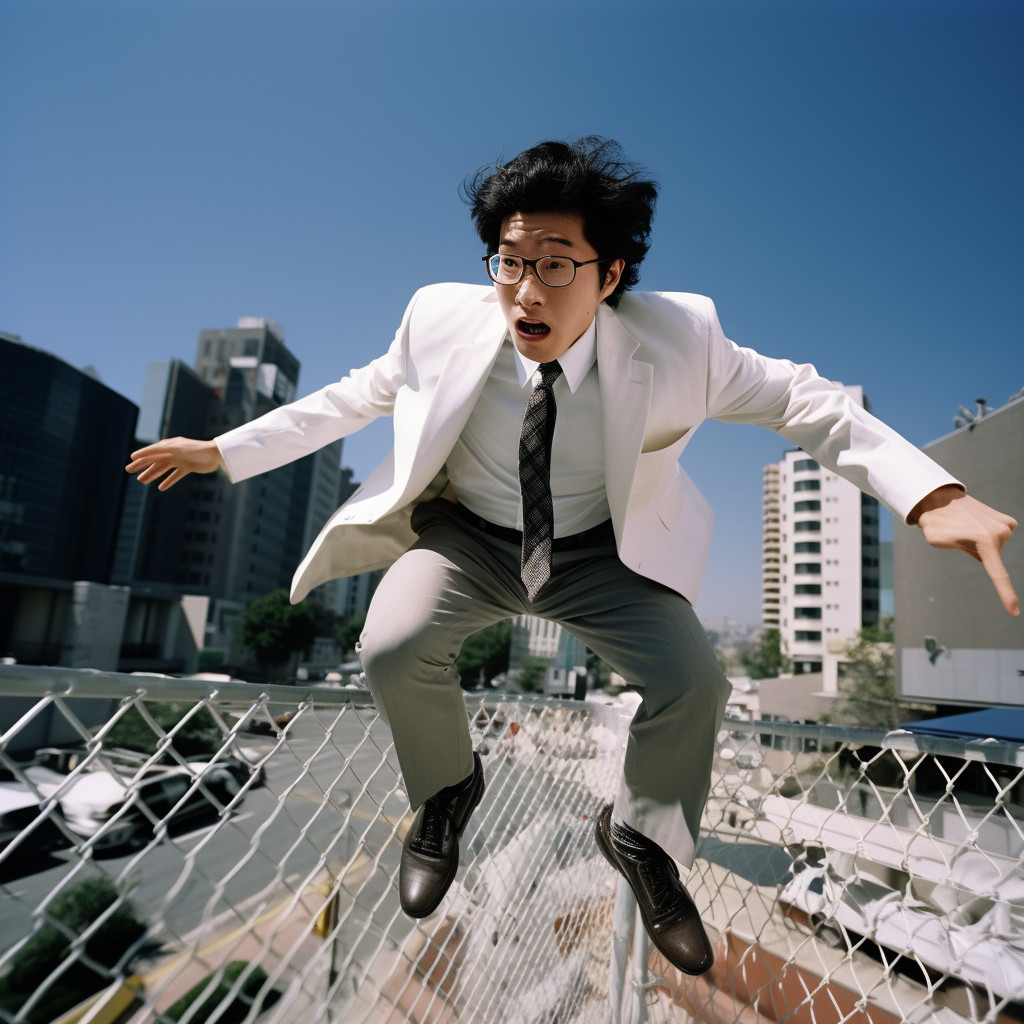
x=19, y=807
x=98, y=796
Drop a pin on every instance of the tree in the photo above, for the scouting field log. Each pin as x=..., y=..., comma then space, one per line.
x=274, y=629
x=484, y=654
x=868, y=683
x=599, y=671
x=766, y=660
x=347, y=633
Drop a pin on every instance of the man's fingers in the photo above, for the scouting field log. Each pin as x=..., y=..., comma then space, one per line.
x=1000, y=577
x=154, y=472
x=172, y=479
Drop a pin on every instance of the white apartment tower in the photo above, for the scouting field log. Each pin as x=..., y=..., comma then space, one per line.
x=819, y=563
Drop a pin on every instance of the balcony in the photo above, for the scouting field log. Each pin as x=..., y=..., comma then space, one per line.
x=833, y=872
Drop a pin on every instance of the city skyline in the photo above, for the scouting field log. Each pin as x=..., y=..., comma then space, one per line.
x=842, y=179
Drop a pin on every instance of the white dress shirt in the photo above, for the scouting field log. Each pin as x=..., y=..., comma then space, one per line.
x=483, y=467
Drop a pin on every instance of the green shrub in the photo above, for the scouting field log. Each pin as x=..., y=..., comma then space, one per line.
x=49, y=947
x=200, y=734
x=238, y=1007
x=531, y=675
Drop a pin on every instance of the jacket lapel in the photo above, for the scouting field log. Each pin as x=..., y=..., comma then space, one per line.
x=626, y=385
x=420, y=453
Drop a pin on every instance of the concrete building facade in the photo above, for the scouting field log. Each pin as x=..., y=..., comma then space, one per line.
x=955, y=644
x=771, y=550
x=820, y=561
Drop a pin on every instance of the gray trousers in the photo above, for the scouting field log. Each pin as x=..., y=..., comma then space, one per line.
x=457, y=579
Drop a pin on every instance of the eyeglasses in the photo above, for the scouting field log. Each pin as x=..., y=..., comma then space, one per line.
x=554, y=271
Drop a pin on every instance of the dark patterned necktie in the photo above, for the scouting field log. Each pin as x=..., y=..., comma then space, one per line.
x=535, y=481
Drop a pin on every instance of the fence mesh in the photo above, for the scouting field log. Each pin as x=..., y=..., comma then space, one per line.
x=206, y=850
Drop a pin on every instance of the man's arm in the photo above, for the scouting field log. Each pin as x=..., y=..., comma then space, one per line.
x=819, y=417
x=289, y=432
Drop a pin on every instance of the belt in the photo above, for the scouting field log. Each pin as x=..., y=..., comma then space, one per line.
x=586, y=538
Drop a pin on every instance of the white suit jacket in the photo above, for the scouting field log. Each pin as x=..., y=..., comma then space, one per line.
x=664, y=365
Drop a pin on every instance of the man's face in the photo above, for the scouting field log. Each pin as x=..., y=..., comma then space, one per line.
x=545, y=321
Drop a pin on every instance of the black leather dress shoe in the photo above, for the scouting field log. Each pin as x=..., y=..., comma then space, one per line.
x=430, y=853
x=668, y=913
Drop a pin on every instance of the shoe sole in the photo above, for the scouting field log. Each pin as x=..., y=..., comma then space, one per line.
x=609, y=855
x=478, y=795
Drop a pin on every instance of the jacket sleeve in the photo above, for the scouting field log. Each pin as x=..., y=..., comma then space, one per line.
x=285, y=434
x=818, y=416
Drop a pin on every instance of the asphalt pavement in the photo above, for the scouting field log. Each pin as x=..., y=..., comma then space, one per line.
x=276, y=838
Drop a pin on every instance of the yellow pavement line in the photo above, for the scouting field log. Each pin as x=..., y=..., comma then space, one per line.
x=117, y=1001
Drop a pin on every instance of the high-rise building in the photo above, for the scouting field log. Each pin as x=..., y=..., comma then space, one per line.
x=771, y=552
x=206, y=536
x=64, y=441
x=820, y=560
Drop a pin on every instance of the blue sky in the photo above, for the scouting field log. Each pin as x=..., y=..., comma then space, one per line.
x=844, y=179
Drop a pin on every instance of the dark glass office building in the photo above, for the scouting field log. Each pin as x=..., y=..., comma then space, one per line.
x=64, y=442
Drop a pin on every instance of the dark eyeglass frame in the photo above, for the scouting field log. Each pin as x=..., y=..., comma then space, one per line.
x=532, y=264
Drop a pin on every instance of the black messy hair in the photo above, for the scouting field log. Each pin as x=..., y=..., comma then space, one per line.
x=591, y=178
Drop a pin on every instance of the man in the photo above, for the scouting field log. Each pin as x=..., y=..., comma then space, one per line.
x=538, y=426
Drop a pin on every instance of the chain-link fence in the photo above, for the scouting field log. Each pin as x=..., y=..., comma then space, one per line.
x=203, y=850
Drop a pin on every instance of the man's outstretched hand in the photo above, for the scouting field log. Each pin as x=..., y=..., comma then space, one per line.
x=952, y=519
x=176, y=456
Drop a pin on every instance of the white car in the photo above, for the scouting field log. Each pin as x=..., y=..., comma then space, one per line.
x=98, y=796
x=19, y=807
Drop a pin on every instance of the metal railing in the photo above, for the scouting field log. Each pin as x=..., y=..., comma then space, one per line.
x=197, y=850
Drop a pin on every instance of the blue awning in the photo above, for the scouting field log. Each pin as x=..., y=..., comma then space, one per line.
x=1005, y=724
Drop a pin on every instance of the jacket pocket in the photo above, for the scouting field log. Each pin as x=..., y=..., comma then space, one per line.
x=672, y=502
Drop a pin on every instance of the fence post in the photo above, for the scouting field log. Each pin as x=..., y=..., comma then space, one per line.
x=622, y=934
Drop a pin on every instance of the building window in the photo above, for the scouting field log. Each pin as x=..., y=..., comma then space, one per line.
x=808, y=634
x=807, y=568
x=807, y=588
x=802, y=667
x=805, y=465
x=807, y=506
x=807, y=526
x=807, y=485
x=806, y=613
x=808, y=547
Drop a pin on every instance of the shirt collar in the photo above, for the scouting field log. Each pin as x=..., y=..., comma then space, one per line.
x=576, y=361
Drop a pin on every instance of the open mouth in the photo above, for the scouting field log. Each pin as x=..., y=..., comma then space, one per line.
x=532, y=328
